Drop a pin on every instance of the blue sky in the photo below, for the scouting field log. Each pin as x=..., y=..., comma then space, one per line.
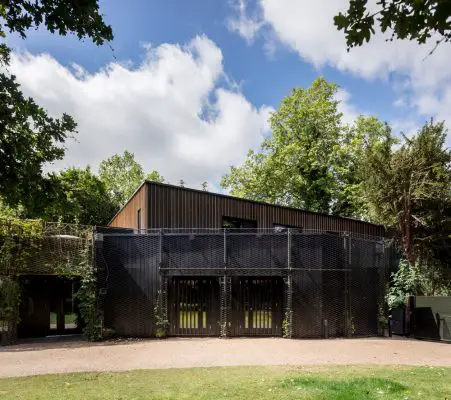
x=251, y=55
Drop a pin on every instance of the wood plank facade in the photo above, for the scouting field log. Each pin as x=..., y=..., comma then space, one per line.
x=168, y=206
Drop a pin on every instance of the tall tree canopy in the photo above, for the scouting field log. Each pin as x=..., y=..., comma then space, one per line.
x=415, y=20
x=366, y=136
x=122, y=175
x=294, y=165
x=79, y=196
x=410, y=189
x=312, y=159
x=154, y=176
x=29, y=138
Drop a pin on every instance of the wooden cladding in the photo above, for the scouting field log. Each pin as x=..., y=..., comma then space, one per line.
x=176, y=207
x=128, y=216
x=168, y=206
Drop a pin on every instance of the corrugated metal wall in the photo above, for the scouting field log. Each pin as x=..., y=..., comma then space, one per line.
x=176, y=207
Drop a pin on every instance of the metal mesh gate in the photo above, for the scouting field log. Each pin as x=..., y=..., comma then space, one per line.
x=257, y=306
x=194, y=306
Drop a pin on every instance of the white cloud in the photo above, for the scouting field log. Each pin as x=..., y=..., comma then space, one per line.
x=345, y=106
x=307, y=27
x=170, y=110
x=245, y=25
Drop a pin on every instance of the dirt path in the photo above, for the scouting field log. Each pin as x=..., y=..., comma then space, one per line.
x=46, y=358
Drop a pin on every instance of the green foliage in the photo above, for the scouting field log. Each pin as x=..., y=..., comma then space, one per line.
x=405, y=282
x=286, y=325
x=121, y=175
x=58, y=16
x=366, y=136
x=79, y=197
x=382, y=318
x=409, y=189
x=406, y=19
x=9, y=300
x=29, y=137
x=108, y=333
x=155, y=176
x=86, y=296
x=20, y=241
x=312, y=160
x=161, y=318
x=295, y=165
x=25, y=245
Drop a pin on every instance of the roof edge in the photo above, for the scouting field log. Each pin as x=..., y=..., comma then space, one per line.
x=254, y=202
x=128, y=201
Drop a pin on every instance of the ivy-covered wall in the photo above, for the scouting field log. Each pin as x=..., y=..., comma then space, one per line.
x=30, y=247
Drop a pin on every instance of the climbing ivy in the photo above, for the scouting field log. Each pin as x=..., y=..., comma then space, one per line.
x=32, y=246
x=161, y=320
x=87, y=296
x=20, y=241
x=286, y=324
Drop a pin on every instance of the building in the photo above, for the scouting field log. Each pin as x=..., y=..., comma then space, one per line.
x=189, y=263
x=157, y=205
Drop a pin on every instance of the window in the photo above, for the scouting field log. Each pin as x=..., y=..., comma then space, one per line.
x=138, y=224
x=231, y=222
x=279, y=228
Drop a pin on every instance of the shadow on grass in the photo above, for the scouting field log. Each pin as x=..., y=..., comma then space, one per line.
x=350, y=389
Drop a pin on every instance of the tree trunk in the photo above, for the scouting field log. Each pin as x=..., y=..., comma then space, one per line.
x=406, y=231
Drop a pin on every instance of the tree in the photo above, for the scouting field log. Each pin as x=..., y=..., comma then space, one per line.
x=406, y=19
x=81, y=18
x=155, y=176
x=296, y=164
x=79, y=196
x=409, y=189
x=360, y=140
x=122, y=175
x=29, y=138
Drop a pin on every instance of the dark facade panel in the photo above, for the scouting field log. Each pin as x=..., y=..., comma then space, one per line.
x=176, y=207
x=128, y=267
x=332, y=284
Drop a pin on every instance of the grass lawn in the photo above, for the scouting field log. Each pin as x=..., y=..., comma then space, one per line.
x=339, y=383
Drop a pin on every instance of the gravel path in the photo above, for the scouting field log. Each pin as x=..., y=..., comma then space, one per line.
x=34, y=359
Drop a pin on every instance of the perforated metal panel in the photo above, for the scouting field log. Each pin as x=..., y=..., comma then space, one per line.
x=299, y=284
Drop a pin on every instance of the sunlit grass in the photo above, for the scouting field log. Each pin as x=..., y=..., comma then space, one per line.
x=316, y=383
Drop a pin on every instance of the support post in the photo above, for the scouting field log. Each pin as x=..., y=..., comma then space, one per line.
x=225, y=305
x=288, y=281
x=347, y=258
x=160, y=250
x=225, y=250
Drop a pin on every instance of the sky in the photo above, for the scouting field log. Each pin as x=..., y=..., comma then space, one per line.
x=188, y=86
